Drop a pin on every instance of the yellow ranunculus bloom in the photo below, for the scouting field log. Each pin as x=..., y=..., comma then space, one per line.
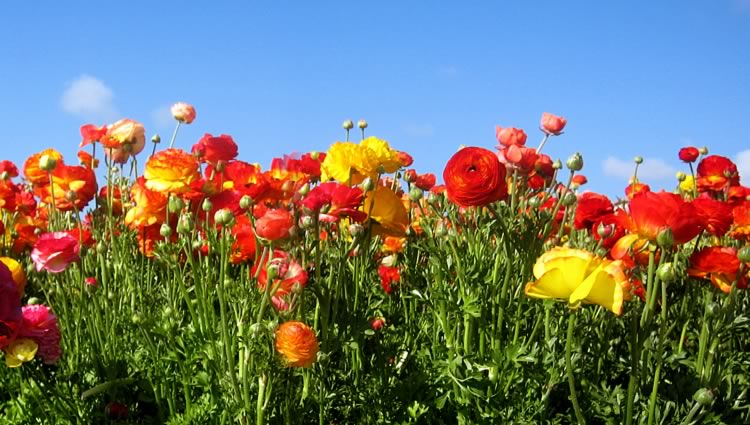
x=350, y=163
x=687, y=184
x=387, y=212
x=19, y=352
x=578, y=276
x=339, y=162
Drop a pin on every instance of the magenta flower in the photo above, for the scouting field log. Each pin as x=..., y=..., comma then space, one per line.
x=54, y=251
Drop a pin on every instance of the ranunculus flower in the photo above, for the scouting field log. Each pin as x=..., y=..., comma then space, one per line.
x=552, y=124
x=578, y=276
x=716, y=173
x=387, y=212
x=20, y=351
x=720, y=265
x=635, y=188
x=348, y=162
x=183, y=112
x=171, y=171
x=716, y=215
x=579, y=180
x=8, y=167
x=405, y=159
x=17, y=272
x=290, y=272
x=389, y=275
x=297, y=344
x=31, y=170
x=149, y=207
x=274, y=225
x=590, y=207
x=342, y=200
x=510, y=136
x=73, y=186
x=213, y=149
x=127, y=135
x=475, y=177
x=10, y=307
x=689, y=154
x=741, y=220
x=54, y=251
x=243, y=248
x=88, y=161
x=91, y=133
x=40, y=325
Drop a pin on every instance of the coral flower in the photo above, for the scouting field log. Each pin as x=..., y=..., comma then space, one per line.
x=475, y=177
x=17, y=272
x=183, y=112
x=40, y=325
x=297, y=344
x=689, y=154
x=91, y=133
x=73, y=186
x=510, y=136
x=653, y=212
x=125, y=134
x=387, y=212
x=243, y=248
x=88, y=161
x=552, y=124
x=590, y=207
x=171, y=171
x=341, y=200
x=720, y=265
x=213, y=149
x=716, y=173
x=635, y=188
x=54, y=251
x=741, y=220
x=20, y=351
x=274, y=225
x=33, y=173
x=578, y=276
x=290, y=272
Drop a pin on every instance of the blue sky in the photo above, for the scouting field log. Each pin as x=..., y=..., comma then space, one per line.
x=633, y=78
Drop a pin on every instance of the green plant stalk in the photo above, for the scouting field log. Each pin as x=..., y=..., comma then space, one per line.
x=659, y=354
x=703, y=338
x=259, y=406
x=569, y=368
x=228, y=352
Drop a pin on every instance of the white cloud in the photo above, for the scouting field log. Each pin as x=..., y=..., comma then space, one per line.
x=743, y=166
x=162, y=117
x=651, y=169
x=419, y=130
x=89, y=98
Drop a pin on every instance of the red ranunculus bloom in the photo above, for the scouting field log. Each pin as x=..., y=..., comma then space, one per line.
x=475, y=177
x=243, y=248
x=552, y=124
x=343, y=201
x=635, y=188
x=214, y=149
x=510, y=136
x=520, y=158
x=54, y=251
x=91, y=133
x=388, y=276
x=720, y=265
x=590, y=207
x=716, y=215
x=8, y=167
x=579, y=180
x=716, y=173
x=290, y=272
x=405, y=159
x=689, y=154
x=274, y=224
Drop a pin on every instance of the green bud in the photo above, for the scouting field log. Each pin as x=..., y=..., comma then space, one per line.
x=155, y=139
x=575, y=162
x=273, y=272
x=101, y=248
x=34, y=301
x=175, y=204
x=535, y=202
x=415, y=194
x=307, y=222
x=569, y=199
x=605, y=231
x=47, y=163
x=703, y=150
x=304, y=190
x=314, y=155
x=680, y=176
x=704, y=397
x=557, y=164
x=367, y=184
x=433, y=199
x=666, y=272
x=638, y=160
x=135, y=319
x=348, y=125
x=165, y=230
x=207, y=205
x=665, y=238
x=4, y=175
x=246, y=202
x=224, y=217
x=744, y=254
x=712, y=309
x=362, y=124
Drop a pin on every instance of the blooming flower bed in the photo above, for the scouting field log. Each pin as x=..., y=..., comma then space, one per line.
x=347, y=287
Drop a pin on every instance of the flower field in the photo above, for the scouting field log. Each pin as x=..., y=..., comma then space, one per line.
x=146, y=282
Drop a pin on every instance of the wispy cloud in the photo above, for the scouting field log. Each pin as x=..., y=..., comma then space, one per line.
x=419, y=130
x=89, y=98
x=743, y=166
x=162, y=117
x=651, y=169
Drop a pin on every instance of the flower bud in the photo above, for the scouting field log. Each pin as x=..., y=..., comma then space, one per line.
x=665, y=272
x=569, y=199
x=535, y=202
x=272, y=271
x=175, y=204
x=415, y=194
x=297, y=288
x=101, y=248
x=362, y=124
x=605, y=231
x=367, y=184
x=348, y=125
x=744, y=254
x=4, y=175
x=680, y=176
x=71, y=195
x=703, y=150
x=246, y=202
x=638, y=160
x=207, y=205
x=304, y=190
x=713, y=309
x=47, y=163
x=433, y=199
x=165, y=230
x=307, y=222
x=441, y=231
x=665, y=238
x=356, y=229
x=314, y=155
x=575, y=162
x=155, y=139
x=704, y=397
x=224, y=217
x=185, y=224
x=34, y=301
x=557, y=164
x=135, y=319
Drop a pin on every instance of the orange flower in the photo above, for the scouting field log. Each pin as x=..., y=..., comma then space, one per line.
x=274, y=224
x=125, y=132
x=243, y=248
x=297, y=344
x=552, y=124
x=475, y=177
x=36, y=175
x=171, y=171
x=720, y=265
x=510, y=136
x=150, y=207
x=635, y=188
x=73, y=186
x=91, y=133
x=88, y=161
x=716, y=173
x=183, y=112
x=741, y=217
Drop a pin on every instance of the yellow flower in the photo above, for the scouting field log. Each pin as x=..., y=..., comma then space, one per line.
x=338, y=163
x=350, y=163
x=687, y=184
x=387, y=212
x=19, y=275
x=171, y=171
x=374, y=154
x=579, y=276
x=19, y=352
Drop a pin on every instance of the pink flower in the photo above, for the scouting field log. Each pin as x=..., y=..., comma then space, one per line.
x=183, y=112
x=552, y=124
x=54, y=251
x=40, y=324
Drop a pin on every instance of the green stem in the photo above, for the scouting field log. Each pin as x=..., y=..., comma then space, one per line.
x=569, y=367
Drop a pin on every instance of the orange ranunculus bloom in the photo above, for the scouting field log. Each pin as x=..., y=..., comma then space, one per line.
x=125, y=132
x=36, y=175
x=116, y=199
x=183, y=112
x=652, y=212
x=213, y=149
x=475, y=177
x=73, y=186
x=88, y=161
x=274, y=225
x=243, y=248
x=8, y=195
x=510, y=136
x=720, y=265
x=552, y=124
x=741, y=221
x=150, y=207
x=171, y=171
x=716, y=173
x=297, y=344
x=635, y=188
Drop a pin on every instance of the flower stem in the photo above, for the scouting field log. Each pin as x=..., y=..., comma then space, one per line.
x=569, y=367
x=174, y=135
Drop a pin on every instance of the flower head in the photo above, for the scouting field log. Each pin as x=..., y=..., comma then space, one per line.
x=171, y=171
x=552, y=124
x=274, y=225
x=475, y=177
x=54, y=251
x=40, y=325
x=297, y=344
x=720, y=265
x=213, y=149
x=20, y=351
x=183, y=112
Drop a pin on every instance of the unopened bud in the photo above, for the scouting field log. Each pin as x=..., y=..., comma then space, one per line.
x=155, y=139
x=307, y=222
x=4, y=175
x=135, y=319
x=665, y=272
x=575, y=162
x=744, y=254
x=605, y=231
x=703, y=150
x=71, y=196
x=665, y=238
x=638, y=160
x=557, y=164
x=535, y=202
x=704, y=397
x=304, y=190
x=47, y=163
x=101, y=248
x=34, y=301
x=569, y=199
x=185, y=224
x=415, y=194
x=246, y=202
x=348, y=125
x=680, y=176
x=165, y=230
x=224, y=217
x=314, y=155
x=367, y=184
x=362, y=124
x=175, y=204
x=207, y=205
x=272, y=271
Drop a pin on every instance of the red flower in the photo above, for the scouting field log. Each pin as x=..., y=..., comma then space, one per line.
x=10, y=307
x=405, y=159
x=274, y=224
x=243, y=248
x=552, y=124
x=613, y=229
x=521, y=158
x=344, y=201
x=741, y=218
x=8, y=167
x=475, y=177
x=590, y=207
x=580, y=180
x=91, y=133
x=423, y=181
x=289, y=273
x=377, y=323
x=716, y=173
x=54, y=251
x=720, y=264
x=689, y=154
x=388, y=276
x=214, y=149
x=635, y=188
x=510, y=136
x=716, y=215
